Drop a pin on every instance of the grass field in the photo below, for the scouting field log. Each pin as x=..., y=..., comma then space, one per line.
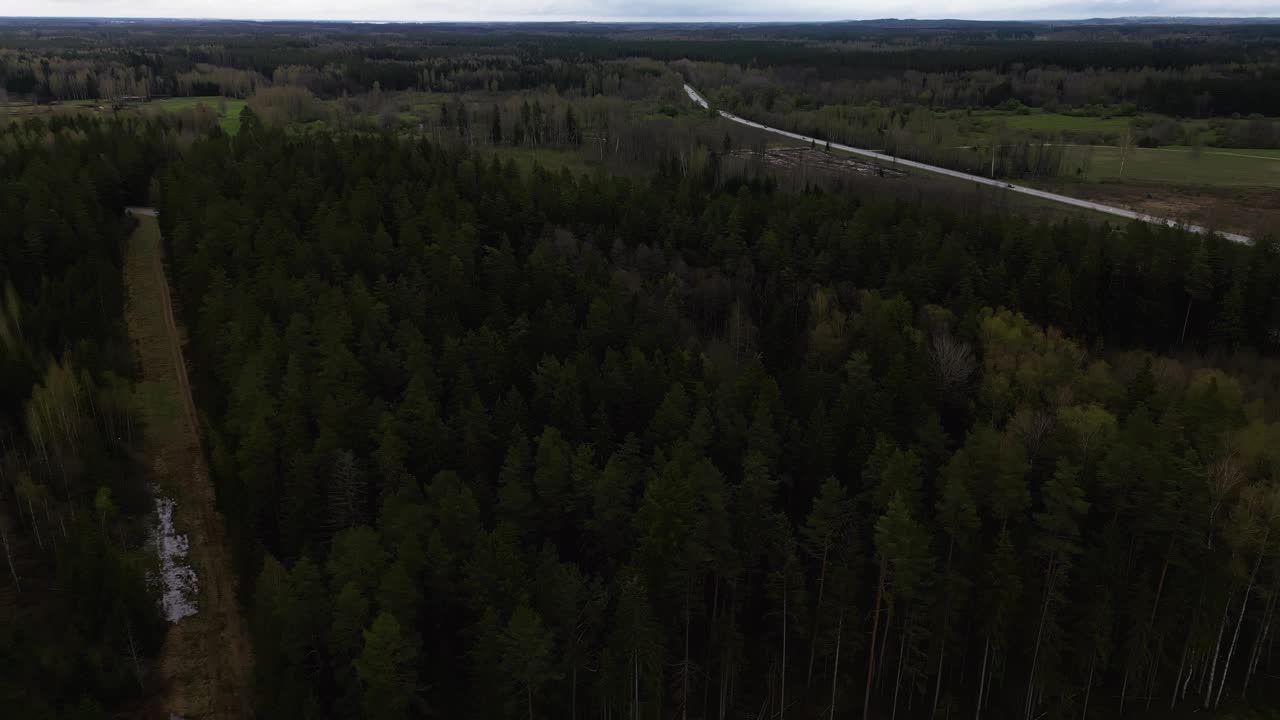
x=1173, y=165
x=1242, y=152
x=157, y=396
x=1050, y=122
x=228, y=109
x=526, y=158
x=19, y=111
x=1231, y=189
x=1168, y=165
x=1054, y=122
x=1178, y=166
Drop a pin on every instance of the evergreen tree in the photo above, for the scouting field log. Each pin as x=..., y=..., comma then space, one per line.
x=386, y=670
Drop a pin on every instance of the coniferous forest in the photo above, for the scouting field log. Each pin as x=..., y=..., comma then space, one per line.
x=513, y=444
x=496, y=440
x=77, y=619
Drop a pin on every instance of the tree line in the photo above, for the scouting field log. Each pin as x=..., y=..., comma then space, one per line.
x=1182, y=71
x=79, y=624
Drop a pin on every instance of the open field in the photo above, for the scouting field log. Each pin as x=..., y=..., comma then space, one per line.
x=1177, y=166
x=22, y=110
x=1250, y=211
x=1079, y=147
x=1165, y=214
x=1236, y=152
x=1041, y=121
x=228, y=109
x=1219, y=190
x=1056, y=122
x=804, y=157
x=912, y=184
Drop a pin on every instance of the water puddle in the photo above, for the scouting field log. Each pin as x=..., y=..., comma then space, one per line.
x=176, y=579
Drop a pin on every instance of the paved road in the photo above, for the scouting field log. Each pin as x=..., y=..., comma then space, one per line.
x=1110, y=210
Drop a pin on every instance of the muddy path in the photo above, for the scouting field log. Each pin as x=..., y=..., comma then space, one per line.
x=206, y=661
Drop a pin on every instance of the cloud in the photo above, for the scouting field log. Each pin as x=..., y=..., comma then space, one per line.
x=603, y=10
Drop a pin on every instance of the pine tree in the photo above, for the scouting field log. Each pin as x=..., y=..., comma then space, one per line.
x=527, y=656
x=386, y=668
x=824, y=530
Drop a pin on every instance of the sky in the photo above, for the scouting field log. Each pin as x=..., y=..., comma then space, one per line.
x=656, y=10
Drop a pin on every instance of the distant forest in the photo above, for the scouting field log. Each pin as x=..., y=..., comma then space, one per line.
x=1161, y=68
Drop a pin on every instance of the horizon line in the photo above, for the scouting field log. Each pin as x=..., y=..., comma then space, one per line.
x=1134, y=19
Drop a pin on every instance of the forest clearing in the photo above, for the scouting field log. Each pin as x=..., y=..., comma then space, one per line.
x=227, y=110
x=806, y=158
x=1175, y=166
x=205, y=658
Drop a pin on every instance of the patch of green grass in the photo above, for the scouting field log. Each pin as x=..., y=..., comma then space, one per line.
x=156, y=402
x=156, y=398
x=230, y=118
x=20, y=110
x=1056, y=122
x=526, y=158
x=1177, y=166
x=183, y=103
x=1249, y=152
x=228, y=109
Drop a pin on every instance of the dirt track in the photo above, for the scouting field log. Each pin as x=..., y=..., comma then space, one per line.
x=206, y=660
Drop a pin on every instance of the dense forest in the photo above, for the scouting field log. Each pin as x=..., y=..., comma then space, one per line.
x=78, y=621
x=1181, y=70
x=530, y=444
x=501, y=429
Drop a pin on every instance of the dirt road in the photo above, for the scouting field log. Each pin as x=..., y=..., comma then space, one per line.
x=206, y=659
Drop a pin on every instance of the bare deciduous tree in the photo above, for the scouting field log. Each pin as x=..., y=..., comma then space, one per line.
x=1225, y=474
x=953, y=361
x=347, y=496
x=8, y=552
x=1032, y=427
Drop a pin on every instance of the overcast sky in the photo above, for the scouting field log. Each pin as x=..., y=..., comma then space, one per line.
x=513, y=10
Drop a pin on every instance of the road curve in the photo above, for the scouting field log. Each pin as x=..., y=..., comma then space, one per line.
x=695, y=96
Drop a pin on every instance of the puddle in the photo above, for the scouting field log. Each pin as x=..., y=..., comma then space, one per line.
x=176, y=579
